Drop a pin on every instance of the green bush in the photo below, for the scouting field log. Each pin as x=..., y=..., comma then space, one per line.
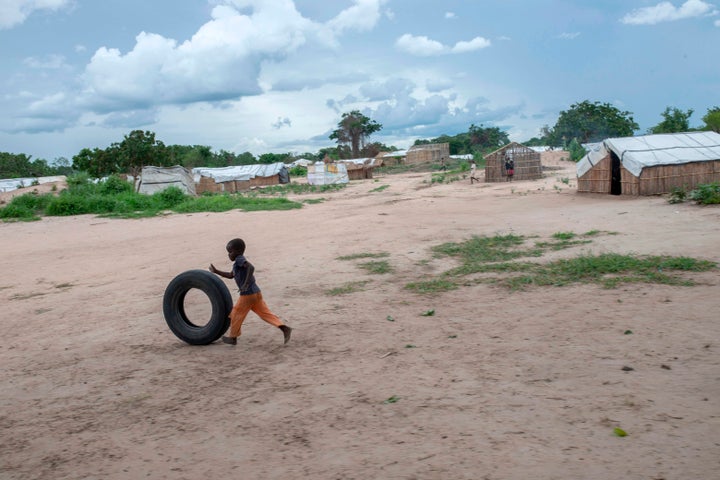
x=115, y=184
x=169, y=198
x=677, y=195
x=297, y=171
x=708, y=194
x=17, y=212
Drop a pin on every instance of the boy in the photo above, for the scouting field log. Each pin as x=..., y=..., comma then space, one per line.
x=250, y=296
x=473, y=172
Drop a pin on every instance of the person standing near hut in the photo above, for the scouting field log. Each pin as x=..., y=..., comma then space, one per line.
x=509, y=167
x=473, y=172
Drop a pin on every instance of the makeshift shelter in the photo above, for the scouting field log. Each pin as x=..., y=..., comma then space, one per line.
x=390, y=158
x=240, y=177
x=428, y=153
x=527, y=163
x=156, y=179
x=650, y=164
x=322, y=173
x=10, y=184
x=359, y=168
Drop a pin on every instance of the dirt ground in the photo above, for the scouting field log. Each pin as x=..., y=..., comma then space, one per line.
x=497, y=384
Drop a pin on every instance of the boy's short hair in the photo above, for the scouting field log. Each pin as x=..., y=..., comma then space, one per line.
x=236, y=245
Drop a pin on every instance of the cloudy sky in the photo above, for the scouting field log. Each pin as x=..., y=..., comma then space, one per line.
x=276, y=75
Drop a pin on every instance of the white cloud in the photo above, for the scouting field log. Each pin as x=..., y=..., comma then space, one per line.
x=362, y=16
x=221, y=61
x=424, y=47
x=15, y=12
x=449, y=15
x=717, y=23
x=569, y=35
x=667, y=12
x=476, y=43
x=421, y=46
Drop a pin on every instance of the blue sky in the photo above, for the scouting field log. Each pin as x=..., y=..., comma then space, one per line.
x=276, y=75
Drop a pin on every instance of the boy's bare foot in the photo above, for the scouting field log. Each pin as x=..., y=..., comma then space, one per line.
x=286, y=332
x=230, y=340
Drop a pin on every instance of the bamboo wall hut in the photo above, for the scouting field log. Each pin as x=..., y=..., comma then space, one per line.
x=239, y=178
x=650, y=164
x=429, y=153
x=360, y=168
x=527, y=163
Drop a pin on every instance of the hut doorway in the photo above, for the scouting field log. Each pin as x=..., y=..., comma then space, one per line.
x=615, y=185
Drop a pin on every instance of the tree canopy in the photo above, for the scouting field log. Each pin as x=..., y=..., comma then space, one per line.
x=353, y=129
x=712, y=119
x=591, y=122
x=674, y=120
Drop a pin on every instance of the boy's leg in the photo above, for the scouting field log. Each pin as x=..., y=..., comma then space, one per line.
x=263, y=311
x=238, y=314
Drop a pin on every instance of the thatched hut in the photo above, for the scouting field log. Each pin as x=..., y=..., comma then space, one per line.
x=526, y=160
x=650, y=164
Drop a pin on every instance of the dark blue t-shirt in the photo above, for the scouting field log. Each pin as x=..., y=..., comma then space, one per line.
x=239, y=272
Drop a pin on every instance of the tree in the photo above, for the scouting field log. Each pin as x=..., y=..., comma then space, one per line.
x=712, y=119
x=591, y=122
x=97, y=162
x=487, y=138
x=674, y=120
x=354, y=129
x=268, y=158
x=139, y=149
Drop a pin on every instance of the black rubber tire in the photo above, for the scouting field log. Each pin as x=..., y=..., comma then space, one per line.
x=220, y=299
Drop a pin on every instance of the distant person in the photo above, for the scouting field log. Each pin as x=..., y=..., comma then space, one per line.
x=509, y=169
x=443, y=165
x=473, y=172
x=250, y=296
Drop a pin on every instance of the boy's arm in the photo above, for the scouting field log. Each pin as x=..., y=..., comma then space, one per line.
x=220, y=272
x=250, y=269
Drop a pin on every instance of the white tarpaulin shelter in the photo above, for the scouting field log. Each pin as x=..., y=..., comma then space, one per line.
x=11, y=184
x=242, y=172
x=650, y=164
x=156, y=179
x=636, y=153
x=327, y=173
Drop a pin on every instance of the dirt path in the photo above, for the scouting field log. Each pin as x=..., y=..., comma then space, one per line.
x=496, y=385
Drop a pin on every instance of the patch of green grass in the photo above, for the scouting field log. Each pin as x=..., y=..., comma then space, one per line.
x=487, y=249
x=380, y=188
x=313, y=201
x=432, y=286
x=350, y=287
x=355, y=256
x=299, y=188
x=499, y=254
x=376, y=267
x=610, y=270
x=563, y=240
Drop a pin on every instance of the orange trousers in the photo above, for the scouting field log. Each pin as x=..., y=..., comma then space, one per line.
x=243, y=306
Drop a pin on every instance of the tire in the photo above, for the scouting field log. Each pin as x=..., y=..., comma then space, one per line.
x=174, y=310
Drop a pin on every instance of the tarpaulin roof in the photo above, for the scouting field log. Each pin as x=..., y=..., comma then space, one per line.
x=155, y=179
x=636, y=153
x=239, y=172
x=10, y=184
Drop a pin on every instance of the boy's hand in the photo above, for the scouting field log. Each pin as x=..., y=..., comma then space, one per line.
x=213, y=269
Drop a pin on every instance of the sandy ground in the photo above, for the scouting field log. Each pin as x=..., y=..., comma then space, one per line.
x=499, y=384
